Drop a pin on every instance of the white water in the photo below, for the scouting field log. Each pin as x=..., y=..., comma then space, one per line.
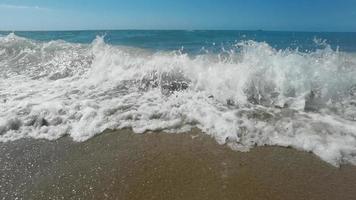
x=255, y=95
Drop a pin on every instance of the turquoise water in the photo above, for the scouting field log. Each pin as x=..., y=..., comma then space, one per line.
x=194, y=41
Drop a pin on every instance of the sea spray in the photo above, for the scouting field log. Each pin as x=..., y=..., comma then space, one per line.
x=251, y=94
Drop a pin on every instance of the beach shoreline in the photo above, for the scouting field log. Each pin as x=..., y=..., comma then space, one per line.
x=123, y=165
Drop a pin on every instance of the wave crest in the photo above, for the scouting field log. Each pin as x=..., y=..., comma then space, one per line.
x=250, y=95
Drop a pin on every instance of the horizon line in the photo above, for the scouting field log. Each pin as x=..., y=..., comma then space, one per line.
x=143, y=29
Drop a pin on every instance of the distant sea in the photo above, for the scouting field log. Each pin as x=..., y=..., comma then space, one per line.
x=194, y=41
x=244, y=88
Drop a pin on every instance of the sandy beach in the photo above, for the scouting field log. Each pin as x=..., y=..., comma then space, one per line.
x=123, y=165
x=177, y=100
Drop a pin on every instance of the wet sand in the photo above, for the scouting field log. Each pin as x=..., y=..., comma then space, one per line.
x=122, y=165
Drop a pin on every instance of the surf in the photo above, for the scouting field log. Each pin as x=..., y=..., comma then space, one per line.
x=248, y=94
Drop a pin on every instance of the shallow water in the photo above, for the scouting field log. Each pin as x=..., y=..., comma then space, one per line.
x=124, y=165
x=242, y=88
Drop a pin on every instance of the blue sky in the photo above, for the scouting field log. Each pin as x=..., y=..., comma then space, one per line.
x=307, y=15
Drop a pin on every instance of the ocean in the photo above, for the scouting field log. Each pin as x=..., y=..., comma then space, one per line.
x=243, y=88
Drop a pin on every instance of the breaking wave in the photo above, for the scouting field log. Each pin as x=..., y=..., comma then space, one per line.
x=251, y=94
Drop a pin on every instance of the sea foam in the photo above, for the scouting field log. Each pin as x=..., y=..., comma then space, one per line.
x=250, y=95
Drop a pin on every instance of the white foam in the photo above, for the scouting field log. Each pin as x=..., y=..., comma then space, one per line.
x=51, y=89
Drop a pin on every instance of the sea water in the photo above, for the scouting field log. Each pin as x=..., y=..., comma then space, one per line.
x=244, y=88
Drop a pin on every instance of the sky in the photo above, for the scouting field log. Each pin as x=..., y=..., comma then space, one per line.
x=292, y=15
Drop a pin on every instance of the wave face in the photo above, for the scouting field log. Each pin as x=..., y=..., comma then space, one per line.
x=250, y=95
